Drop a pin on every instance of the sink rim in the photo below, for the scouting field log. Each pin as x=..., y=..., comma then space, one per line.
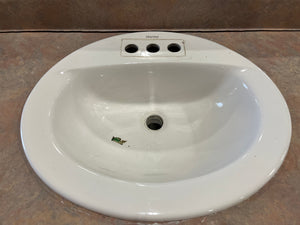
x=155, y=201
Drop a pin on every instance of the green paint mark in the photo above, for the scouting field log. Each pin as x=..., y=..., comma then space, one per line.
x=118, y=140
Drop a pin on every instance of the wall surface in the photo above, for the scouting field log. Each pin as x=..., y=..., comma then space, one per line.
x=148, y=14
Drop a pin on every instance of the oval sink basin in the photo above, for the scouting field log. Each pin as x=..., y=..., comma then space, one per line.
x=139, y=125
x=210, y=119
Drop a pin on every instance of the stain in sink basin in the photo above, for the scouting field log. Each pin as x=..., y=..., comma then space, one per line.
x=118, y=140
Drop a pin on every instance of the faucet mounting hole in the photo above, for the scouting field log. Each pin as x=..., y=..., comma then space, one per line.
x=154, y=122
x=174, y=47
x=152, y=48
x=131, y=48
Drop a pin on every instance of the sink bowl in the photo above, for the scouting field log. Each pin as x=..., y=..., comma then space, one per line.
x=139, y=125
x=210, y=119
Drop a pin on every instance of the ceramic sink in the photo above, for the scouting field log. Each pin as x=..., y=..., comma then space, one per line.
x=155, y=126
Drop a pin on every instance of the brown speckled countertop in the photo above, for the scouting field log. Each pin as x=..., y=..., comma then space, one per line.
x=24, y=199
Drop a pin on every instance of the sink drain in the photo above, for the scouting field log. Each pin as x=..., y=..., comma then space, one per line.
x=154, y=122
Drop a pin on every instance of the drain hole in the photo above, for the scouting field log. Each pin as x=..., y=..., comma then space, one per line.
x=132, y=48
x=153, y=48
x=174, y=47
x=154, y=122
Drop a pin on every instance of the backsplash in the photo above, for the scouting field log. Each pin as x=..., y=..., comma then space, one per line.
x=148, y=14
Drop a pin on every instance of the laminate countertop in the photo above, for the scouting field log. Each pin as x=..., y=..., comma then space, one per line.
x=25, y=199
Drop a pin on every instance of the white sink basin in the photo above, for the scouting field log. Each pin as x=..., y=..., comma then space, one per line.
x=162, y=135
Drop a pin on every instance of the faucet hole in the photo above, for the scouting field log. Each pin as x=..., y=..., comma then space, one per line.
x=154, y=122
x=131, y=48
x=174, y=47
x=152, y=48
